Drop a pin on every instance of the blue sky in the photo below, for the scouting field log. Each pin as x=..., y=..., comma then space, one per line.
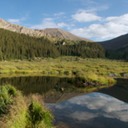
x=93, y=19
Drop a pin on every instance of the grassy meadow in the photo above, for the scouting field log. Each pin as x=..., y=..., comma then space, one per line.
x=99, y=70
x=31, y=113
x=64, y=66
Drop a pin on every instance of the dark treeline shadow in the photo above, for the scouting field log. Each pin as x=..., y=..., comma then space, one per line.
x=37, y=84
x=42, y=84
x=119, y=90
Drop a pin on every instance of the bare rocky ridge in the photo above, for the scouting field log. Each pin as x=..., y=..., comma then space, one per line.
x=19, y=29
x=53, y=33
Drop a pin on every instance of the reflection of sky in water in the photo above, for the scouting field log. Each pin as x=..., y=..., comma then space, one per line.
x=95, y=110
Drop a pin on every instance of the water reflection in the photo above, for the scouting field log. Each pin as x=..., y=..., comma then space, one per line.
x=94, y=110
x=56, y=89
x=52, y=88
x=119, y=91
x=29, y=85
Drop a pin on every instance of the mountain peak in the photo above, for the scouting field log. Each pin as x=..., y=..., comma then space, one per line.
x=3, y=22
x=52, y=33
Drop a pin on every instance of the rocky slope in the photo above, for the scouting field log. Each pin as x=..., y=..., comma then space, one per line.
x=52, y=33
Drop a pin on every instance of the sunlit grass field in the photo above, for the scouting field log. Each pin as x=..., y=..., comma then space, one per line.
x=98, y=70
x=65, y=66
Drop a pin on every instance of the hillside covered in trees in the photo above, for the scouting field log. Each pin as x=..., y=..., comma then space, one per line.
x=19, y=46
x=116, y=48
x=119, y=54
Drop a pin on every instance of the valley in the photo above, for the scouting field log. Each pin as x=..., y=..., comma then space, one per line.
x=53, y=66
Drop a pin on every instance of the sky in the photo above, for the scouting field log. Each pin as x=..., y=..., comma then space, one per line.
x=97, y=20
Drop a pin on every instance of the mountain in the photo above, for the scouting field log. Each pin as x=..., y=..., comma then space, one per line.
x=51, y=33
x=116, y=43
x=117, y=48
x=56, y=33
x=17, y=42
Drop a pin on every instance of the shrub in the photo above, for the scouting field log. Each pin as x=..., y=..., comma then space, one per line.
x=6, y=98
x=11, y=90
x=14, y=108
x=38, y=116
x=35, y=114
x=66, y=72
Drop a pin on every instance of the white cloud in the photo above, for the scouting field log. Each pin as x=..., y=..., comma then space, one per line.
x=49, y=23
x=85, y=2
x=80, y=23
x=59, y=14
x=62, y=24
x=123, y=19
x=90, y=106
x=16, y=21
x=85, y=16
x=46, y=23
x=109, y=28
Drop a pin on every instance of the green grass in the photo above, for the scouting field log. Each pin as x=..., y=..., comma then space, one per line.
x=98, y=70
x=15, y=112
x=64, y=66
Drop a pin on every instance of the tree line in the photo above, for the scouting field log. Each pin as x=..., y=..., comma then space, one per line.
x=119, y=54
x=19, y=46
x=83, y=49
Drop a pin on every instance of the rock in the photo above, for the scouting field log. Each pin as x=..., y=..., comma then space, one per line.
x=112, y=75
x=125, y=75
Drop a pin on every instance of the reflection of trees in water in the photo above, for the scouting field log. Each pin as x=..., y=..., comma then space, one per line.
x=34, y=84
x=119, y=90
x=37, y=84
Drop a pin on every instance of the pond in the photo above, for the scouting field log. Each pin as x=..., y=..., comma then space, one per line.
x=94, y=110
x=73, y=108
x=53, y=89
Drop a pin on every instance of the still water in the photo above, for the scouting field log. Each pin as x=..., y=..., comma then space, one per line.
x=94, y=110
x=73, y=109
x=53, y=89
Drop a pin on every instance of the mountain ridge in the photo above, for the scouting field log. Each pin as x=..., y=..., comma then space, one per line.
x=116, y=43
x=52, y=33
x=116, y=48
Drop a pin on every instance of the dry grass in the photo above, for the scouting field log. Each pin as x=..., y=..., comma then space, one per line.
x=16, y=114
